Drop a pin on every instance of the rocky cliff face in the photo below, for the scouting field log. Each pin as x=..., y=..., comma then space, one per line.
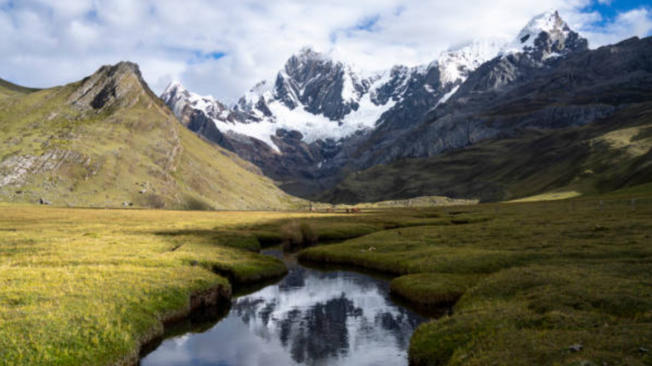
x=111, y=87
x=320, y=85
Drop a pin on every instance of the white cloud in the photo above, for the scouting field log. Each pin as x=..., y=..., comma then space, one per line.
x=82, y=35
x=46, y=43
x=636, y=22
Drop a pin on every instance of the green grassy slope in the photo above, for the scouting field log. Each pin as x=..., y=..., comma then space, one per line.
x=107, y=140
x=608, y=155
x=7, y=89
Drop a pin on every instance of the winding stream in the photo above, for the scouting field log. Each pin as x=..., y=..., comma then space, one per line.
x=311, y=317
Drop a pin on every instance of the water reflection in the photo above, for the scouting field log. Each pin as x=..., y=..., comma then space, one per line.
x=309, y=318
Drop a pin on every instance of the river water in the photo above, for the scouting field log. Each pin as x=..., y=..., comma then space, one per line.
x=310, y=317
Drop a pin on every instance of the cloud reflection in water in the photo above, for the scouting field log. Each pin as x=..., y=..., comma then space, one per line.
x=309, y=318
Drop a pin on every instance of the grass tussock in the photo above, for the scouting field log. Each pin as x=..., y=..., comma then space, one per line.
x=298, y=234
x=433, y=289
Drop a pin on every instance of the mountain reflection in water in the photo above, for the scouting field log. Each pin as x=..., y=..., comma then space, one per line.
x=309, y=318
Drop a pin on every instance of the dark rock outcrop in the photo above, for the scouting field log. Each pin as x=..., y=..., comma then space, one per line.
x=110, y=88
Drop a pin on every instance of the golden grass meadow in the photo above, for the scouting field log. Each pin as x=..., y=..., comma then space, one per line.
x=526, y=281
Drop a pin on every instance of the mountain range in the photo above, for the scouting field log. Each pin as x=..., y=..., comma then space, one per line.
x=302, y=128
x=492, y=120
x=327, y=131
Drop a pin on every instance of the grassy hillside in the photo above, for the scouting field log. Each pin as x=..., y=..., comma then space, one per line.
x=108, y=141
x=7, y=89
x=605, y=156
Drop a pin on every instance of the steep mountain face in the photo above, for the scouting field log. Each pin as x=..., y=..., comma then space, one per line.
x=319, y=85
x=582, y=123
x=540, y=47
x=198, y=113
x=302, y=129
x=602, y=157
x=108, y=141
x=322, y=122
x=428, y=87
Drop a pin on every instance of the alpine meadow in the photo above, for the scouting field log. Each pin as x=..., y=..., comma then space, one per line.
x=406, y=183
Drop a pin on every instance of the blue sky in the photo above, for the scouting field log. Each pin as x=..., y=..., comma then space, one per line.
x=223, y=48
x=610, y=9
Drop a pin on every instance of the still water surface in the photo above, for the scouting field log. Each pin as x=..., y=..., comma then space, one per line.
x=311, y=317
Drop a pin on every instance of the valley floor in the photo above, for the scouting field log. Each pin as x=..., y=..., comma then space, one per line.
x=556, y=283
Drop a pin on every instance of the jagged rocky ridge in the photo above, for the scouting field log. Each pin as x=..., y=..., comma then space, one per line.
x=302, y=130
x=325, y=99
x=582, y=123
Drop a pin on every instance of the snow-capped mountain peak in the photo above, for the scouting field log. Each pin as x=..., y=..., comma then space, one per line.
x=312, y=95
x=174, y=84
x=456, y=63
x=263, y=91
x=306, y=62
x=176, y=90
x=549, y=22
x=309, y=53
x=179, y=98
x=316, y=97
x=174, y=94
x=324, y=99
x=546, y=35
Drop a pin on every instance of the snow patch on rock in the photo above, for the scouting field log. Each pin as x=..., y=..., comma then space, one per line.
x=549, y=22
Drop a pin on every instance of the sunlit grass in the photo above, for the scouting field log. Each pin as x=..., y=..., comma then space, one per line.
x=86, y=287
x=532, y=280
x=552, y=196
x=89, y=286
